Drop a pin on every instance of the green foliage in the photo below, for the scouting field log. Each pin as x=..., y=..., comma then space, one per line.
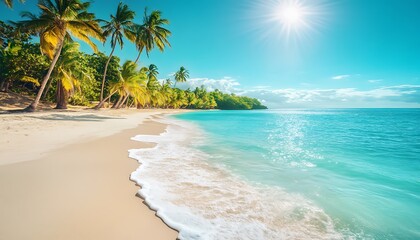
x=60, y=20
x=88, y=89
x=151, y=32
x=21, y=65
x=76, y=75
x=30, y=80
x=131, y=83
x=181, y=75
x=120, y=25
x=97, y=63
x=9, y=33
x=232, y=102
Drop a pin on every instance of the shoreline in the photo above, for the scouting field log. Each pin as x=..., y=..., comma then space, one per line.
x=75, y=187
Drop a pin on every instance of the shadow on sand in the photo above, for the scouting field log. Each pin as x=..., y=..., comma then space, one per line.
x=78, y=118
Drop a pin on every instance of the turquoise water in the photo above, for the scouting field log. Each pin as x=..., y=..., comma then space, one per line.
x=360, y=166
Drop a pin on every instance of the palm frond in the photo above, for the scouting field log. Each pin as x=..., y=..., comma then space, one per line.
x=30, y=80
x=9, y=3
x=58, y=20
x=120, y=24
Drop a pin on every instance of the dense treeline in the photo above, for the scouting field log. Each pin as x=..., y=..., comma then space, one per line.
x=233, y=102
x=56, y=70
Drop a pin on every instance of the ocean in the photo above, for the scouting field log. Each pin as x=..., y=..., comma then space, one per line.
x=286, y=174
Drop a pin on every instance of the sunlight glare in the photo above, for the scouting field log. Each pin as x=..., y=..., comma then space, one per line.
x=290, y=20
x=291, y=14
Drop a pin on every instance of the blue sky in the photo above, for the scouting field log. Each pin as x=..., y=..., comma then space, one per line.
x=355, y=53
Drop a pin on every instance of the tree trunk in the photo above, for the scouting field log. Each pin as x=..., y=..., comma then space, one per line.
x=117, y=103
x=131, y=105
x=44, y=95
x=62, y=96
x=123, y=101
x=104, y=77
x=140, y=106
x=34, y=104
x=138, y=56
x=3, y=81
x=7, y=85
x=127, y=102
x=101, y=103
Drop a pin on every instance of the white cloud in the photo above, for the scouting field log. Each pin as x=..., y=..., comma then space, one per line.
x=393, y=96
x=390, y=96
x=226, y=84
x=340, y=77
x=375, y=80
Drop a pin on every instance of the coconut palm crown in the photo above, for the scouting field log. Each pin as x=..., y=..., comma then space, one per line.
x=181, y=75
x=152, y=32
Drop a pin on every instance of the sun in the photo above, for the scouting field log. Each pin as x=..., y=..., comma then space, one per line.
x=287, y=23
x=291, y=15
x=288, y=20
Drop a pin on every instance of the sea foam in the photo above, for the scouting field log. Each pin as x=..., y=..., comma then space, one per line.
x=203, y=200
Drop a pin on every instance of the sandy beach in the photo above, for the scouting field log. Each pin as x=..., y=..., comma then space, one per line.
x=65, y=175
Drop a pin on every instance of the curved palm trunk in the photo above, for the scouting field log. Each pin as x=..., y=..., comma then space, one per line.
x=3, y=83
x=123, y=102
x=127, y=102
x=118, y=102
x=34, y=104
x=101, y=103
x=62, y=96
x=44, y=94
x=141, y=105
x=104, y=77
x=138, y=56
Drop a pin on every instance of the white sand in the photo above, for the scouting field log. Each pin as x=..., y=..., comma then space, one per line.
x=65, y=175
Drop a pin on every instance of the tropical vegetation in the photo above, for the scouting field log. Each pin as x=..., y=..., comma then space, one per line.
x=121, y=24
x=40, y=57
x=151, y=32
x=181, y=75
x=57, y=22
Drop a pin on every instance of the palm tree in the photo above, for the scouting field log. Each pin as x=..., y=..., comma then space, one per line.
x=120, y=25
x=152, y=72
x=167, y=92
x=191, y=98
x=181, y=75
x=168, y=82
x=152, y=32
x=131, y=83
x=153, y=86
x=179, y=99
x=9, y=3
x=58, y=21
x=68, y=73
